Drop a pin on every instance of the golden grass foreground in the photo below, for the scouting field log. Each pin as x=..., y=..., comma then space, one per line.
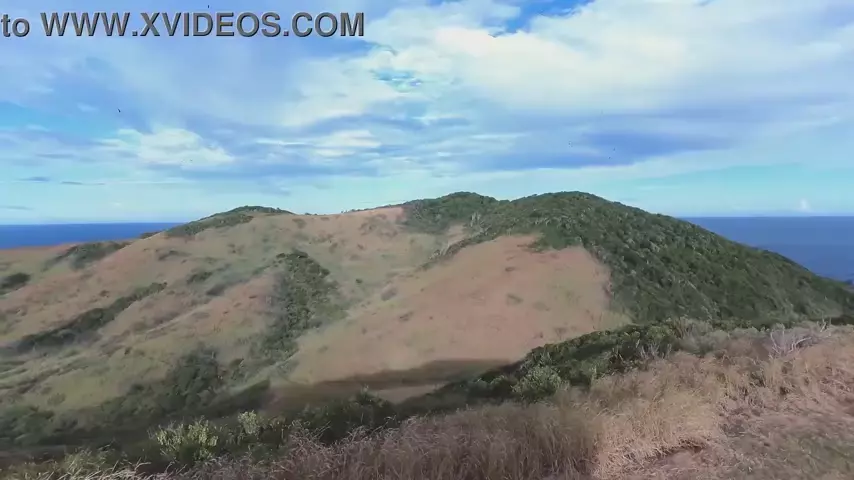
x=617, y=429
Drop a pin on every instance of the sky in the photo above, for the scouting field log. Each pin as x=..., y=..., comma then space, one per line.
x=682, y=107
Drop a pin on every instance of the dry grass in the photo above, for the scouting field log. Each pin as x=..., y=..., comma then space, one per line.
x=495, y=302
x=363, y=250
x=617, y=429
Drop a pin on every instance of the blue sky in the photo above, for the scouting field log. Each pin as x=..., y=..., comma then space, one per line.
x=684, y=107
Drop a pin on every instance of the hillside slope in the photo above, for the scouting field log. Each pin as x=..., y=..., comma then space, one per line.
x=402, y=298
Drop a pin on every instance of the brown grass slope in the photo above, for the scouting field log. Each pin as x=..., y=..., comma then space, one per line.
x=405, y=299
x=493, y=302
x=216, y=287
x=211, y=284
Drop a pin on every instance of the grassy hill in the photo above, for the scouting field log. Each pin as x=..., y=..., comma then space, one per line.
x=434, y=305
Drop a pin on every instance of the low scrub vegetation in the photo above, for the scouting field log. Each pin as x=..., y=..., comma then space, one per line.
x=582, y=360
x=13, y=281
x=304, y=297
x=615, y=424
x=230, y=218
x=718, y=327
x=83, y=255
x=220, y=220
x=193, y=386
x=85, y=326
x=258, y=209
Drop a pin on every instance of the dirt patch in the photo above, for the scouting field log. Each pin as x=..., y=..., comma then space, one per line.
x=459, y=311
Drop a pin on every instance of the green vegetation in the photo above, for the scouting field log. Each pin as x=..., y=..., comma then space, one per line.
x=199, y=277
x=230, y=218
x=220, y=220
x=83, y=255
x=193, y=384
x=192, y=387
x=13, y=281
x=582, y=360
x=436, y=215
x=257, y=209
x=661, y=267
x=25, y=426
x=663, y=271
x=85, y=325
x=303, y=298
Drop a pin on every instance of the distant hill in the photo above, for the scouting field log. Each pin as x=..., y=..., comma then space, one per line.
x=263, y=308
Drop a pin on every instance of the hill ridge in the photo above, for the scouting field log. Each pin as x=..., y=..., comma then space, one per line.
x=275, y=295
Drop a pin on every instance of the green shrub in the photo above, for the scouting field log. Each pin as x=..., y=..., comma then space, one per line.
x=188, y=444
x=27, y=426
x=250, y=424
x=337, y=420
x=14, y=281
x=303, y=298
x=436, y=215
x=217, y=221
x=81, y=256
x=540, y=382
x=191, y=385
x=230, y=218
x=85, y=325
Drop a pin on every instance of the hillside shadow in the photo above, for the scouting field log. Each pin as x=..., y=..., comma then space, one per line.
x=406, y=383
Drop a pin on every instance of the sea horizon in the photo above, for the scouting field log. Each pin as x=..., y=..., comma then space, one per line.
x=822, y=243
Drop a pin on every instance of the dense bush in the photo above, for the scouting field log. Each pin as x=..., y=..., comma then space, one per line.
x=303, y=297
x=13, y=281
x=436, y=215
x=661, y=267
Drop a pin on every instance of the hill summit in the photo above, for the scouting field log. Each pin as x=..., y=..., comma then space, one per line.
x=262, y=309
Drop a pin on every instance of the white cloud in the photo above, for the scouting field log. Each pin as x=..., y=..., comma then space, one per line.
x=804, y=206
x=464, y=93
x=165, y=146
x=629, y=55
x=345, y=142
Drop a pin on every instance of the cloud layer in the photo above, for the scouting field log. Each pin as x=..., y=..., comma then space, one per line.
x=617, y=97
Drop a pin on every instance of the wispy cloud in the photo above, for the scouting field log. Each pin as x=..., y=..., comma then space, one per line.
x=36, y=179
x=503, y=97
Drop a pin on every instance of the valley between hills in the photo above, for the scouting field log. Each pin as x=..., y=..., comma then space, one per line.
x=463, y=337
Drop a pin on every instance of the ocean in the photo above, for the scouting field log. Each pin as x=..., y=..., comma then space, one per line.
x=14, y=236
x=824, y=245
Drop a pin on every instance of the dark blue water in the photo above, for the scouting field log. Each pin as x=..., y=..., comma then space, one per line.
x=825, y=245
x=12, y=236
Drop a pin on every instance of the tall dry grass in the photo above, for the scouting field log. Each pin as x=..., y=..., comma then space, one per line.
x=619, y=424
